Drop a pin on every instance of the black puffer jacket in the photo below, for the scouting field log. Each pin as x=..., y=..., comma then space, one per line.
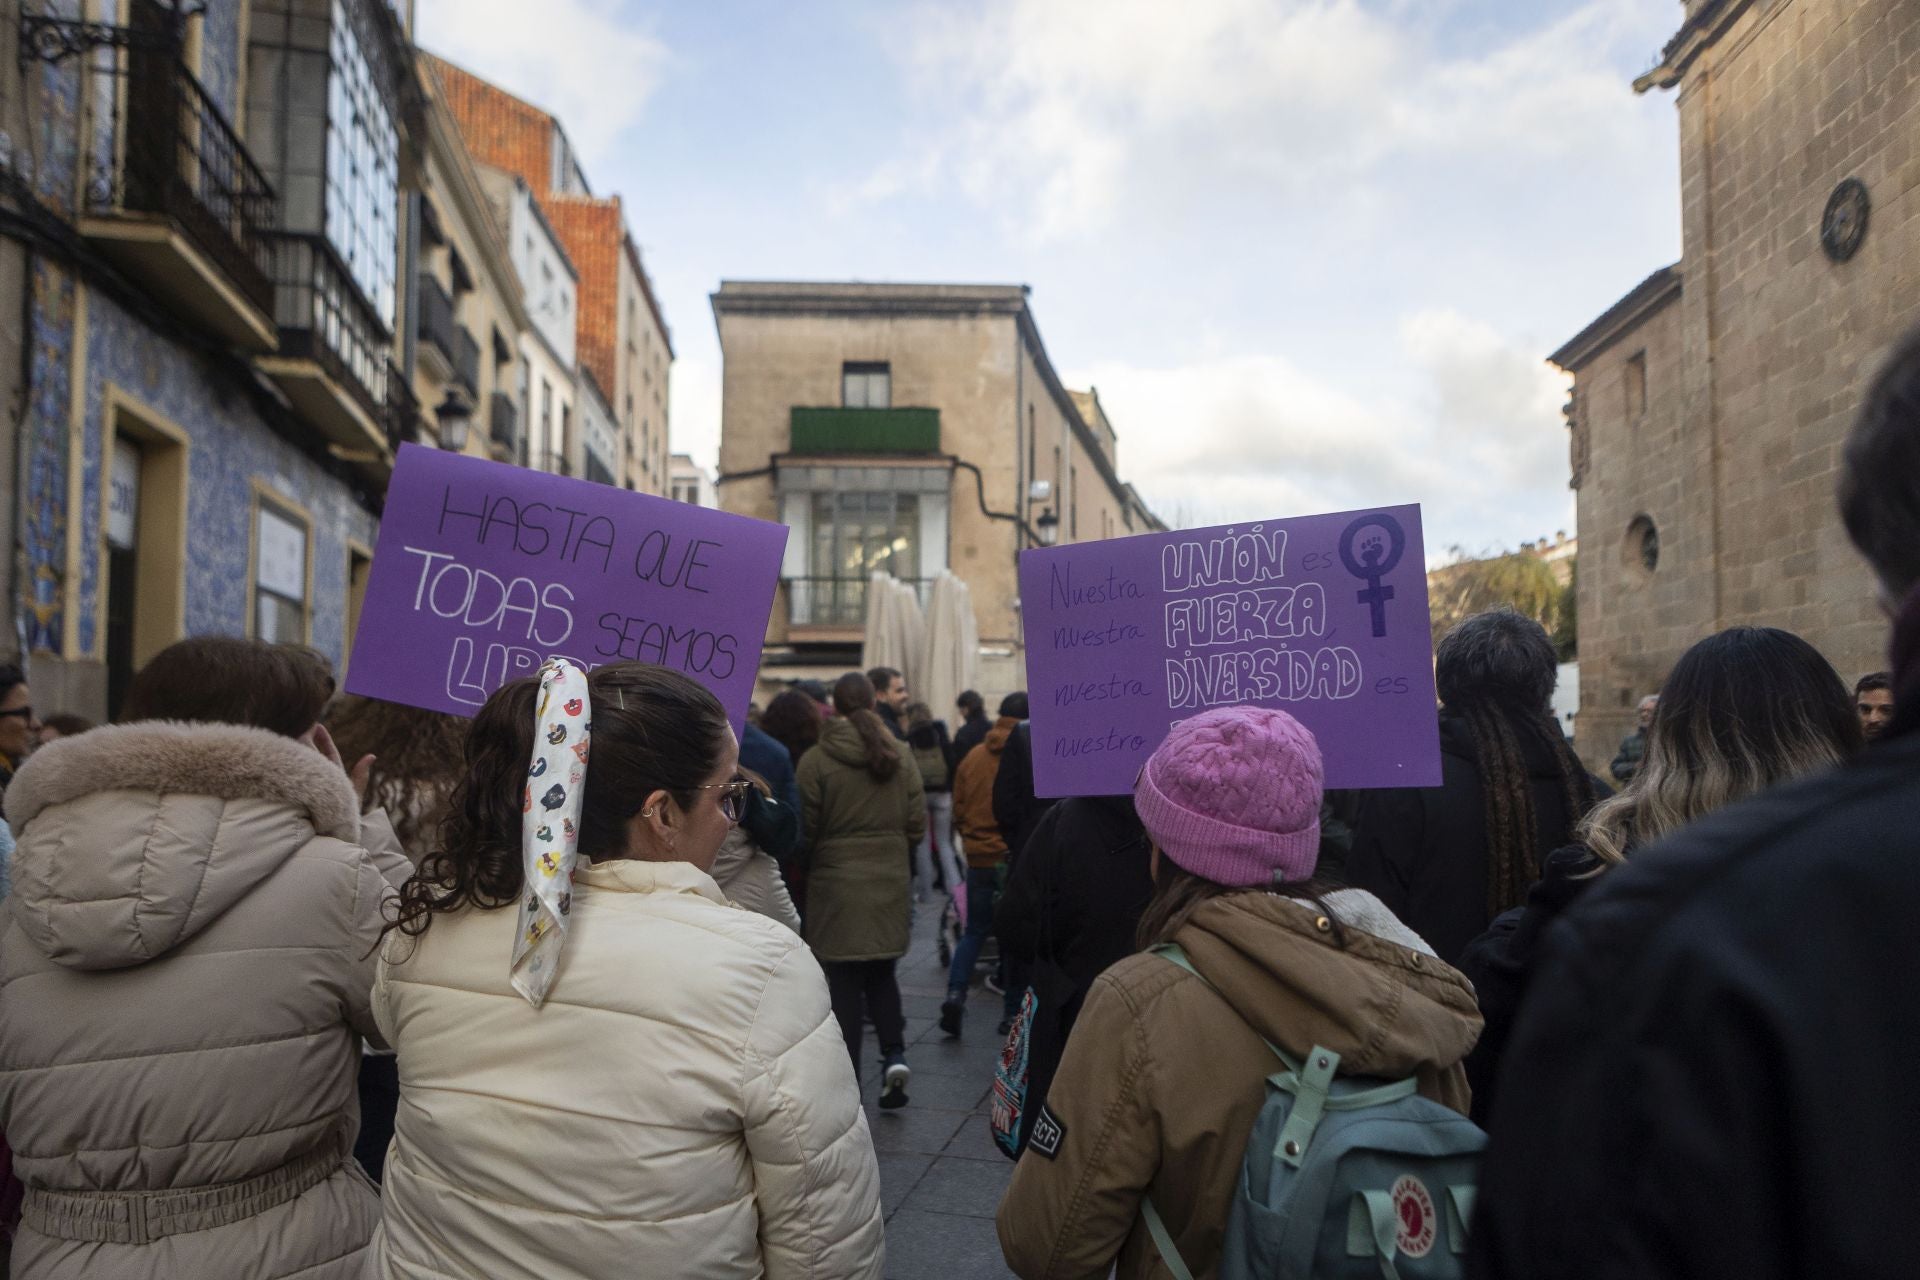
x=1071, y=908
x=1713, y=1074
x=1015, y=806
x=1423, y=850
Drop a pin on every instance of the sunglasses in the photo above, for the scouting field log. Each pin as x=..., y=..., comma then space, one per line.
x=25, y=713
x=733, y=797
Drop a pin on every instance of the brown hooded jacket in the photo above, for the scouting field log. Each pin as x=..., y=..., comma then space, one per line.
x=1164, y=1073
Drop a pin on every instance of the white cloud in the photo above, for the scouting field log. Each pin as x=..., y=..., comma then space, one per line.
x=1480, y=444
x=581, y=60
x=1087, y=105
x=693, y=409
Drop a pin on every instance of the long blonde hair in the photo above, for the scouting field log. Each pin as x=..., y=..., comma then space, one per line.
x=1743, y=710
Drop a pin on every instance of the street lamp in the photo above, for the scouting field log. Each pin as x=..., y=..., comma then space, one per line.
x=453, y=415
x=1049, y=527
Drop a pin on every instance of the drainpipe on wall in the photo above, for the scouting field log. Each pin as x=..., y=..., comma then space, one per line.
x=21, y=578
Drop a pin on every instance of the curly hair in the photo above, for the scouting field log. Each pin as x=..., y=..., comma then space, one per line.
x=793, y=720
x=416, y=759
x=653, y=729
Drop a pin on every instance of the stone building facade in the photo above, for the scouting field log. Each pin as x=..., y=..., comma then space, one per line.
x=1711, y=403
x=908, y=429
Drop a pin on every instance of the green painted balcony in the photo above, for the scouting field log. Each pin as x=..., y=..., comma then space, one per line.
x=831, y=430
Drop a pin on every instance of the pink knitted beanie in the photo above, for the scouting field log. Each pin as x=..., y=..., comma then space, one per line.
x=1233, y=795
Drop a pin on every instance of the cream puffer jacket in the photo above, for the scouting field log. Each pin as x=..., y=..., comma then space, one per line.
x=185, y=967
x=749, y=876
x=681, y=1105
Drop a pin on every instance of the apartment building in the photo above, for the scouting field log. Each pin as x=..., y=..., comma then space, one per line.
x=548, y=394
x=471, y=324
x=907, y=429
x=622, y=338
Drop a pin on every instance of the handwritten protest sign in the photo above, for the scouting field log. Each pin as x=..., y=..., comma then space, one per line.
x=1324, y=617
x=484, y=571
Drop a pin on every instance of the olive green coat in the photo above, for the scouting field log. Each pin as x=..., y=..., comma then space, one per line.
x=860, y=834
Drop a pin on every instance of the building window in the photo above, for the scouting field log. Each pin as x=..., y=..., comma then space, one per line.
x=856, y=535
x=1636, y=386
x=546, y=421
x=851, y=522
x=280, y=595
x=866, y=386
x=363, y=148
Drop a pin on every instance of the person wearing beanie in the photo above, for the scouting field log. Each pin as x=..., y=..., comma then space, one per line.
x=1167, y=1069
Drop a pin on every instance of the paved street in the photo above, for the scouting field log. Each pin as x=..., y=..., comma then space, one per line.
x=941, y=1177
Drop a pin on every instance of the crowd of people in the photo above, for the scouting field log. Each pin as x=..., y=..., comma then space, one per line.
x=294, y=984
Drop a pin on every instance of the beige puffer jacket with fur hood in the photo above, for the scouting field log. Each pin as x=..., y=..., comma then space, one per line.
x=681, y=1105
x=185, y=966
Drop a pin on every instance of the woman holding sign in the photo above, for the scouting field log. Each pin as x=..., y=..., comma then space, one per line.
x=607, y=1067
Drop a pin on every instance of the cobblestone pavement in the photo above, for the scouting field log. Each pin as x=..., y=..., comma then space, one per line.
x=941, y=1177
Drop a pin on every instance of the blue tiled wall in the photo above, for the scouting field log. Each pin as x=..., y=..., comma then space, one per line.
x=231, y=446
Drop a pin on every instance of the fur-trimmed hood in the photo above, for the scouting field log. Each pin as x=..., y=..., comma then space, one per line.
x=225, y=761
x=133, y=838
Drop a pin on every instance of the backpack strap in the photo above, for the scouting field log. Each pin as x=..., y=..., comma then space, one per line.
x=1309, y=1081
x=1163, y=1241
x=1309, y=1086
x=1373, y=1227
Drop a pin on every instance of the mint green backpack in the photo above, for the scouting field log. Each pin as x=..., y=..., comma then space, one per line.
x=1344, y=1179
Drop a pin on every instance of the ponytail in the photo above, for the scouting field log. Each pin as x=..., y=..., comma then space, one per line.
x=654, y=729
x=853, y=699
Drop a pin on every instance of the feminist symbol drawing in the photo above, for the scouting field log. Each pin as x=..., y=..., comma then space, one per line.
x=1374, y=562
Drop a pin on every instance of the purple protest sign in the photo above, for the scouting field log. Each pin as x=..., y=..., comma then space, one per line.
x=483, y=571
x=1324, y=617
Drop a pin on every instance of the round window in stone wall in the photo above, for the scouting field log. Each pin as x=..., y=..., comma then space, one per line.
x=1642, y=549
x=1843, y=223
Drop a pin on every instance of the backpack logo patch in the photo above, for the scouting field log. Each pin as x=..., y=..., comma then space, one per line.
x=1418, y=1225
x=1048, y=1134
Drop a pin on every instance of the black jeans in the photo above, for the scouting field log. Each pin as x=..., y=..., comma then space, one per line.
x=867, y=986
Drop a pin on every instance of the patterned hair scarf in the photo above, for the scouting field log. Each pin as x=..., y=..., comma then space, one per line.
x=550, y=830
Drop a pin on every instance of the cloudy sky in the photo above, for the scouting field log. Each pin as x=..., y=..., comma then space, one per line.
x=1311, y=252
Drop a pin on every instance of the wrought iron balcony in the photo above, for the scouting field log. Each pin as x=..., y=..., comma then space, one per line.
x=173, y=194
x=333, y=361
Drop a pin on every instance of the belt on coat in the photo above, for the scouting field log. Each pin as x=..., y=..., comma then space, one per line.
x=140, y=1217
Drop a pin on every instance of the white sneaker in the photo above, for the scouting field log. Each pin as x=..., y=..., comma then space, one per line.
x=893, y=1086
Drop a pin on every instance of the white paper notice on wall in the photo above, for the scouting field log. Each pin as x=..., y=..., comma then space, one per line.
x=123, y=496
x=282, y=567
